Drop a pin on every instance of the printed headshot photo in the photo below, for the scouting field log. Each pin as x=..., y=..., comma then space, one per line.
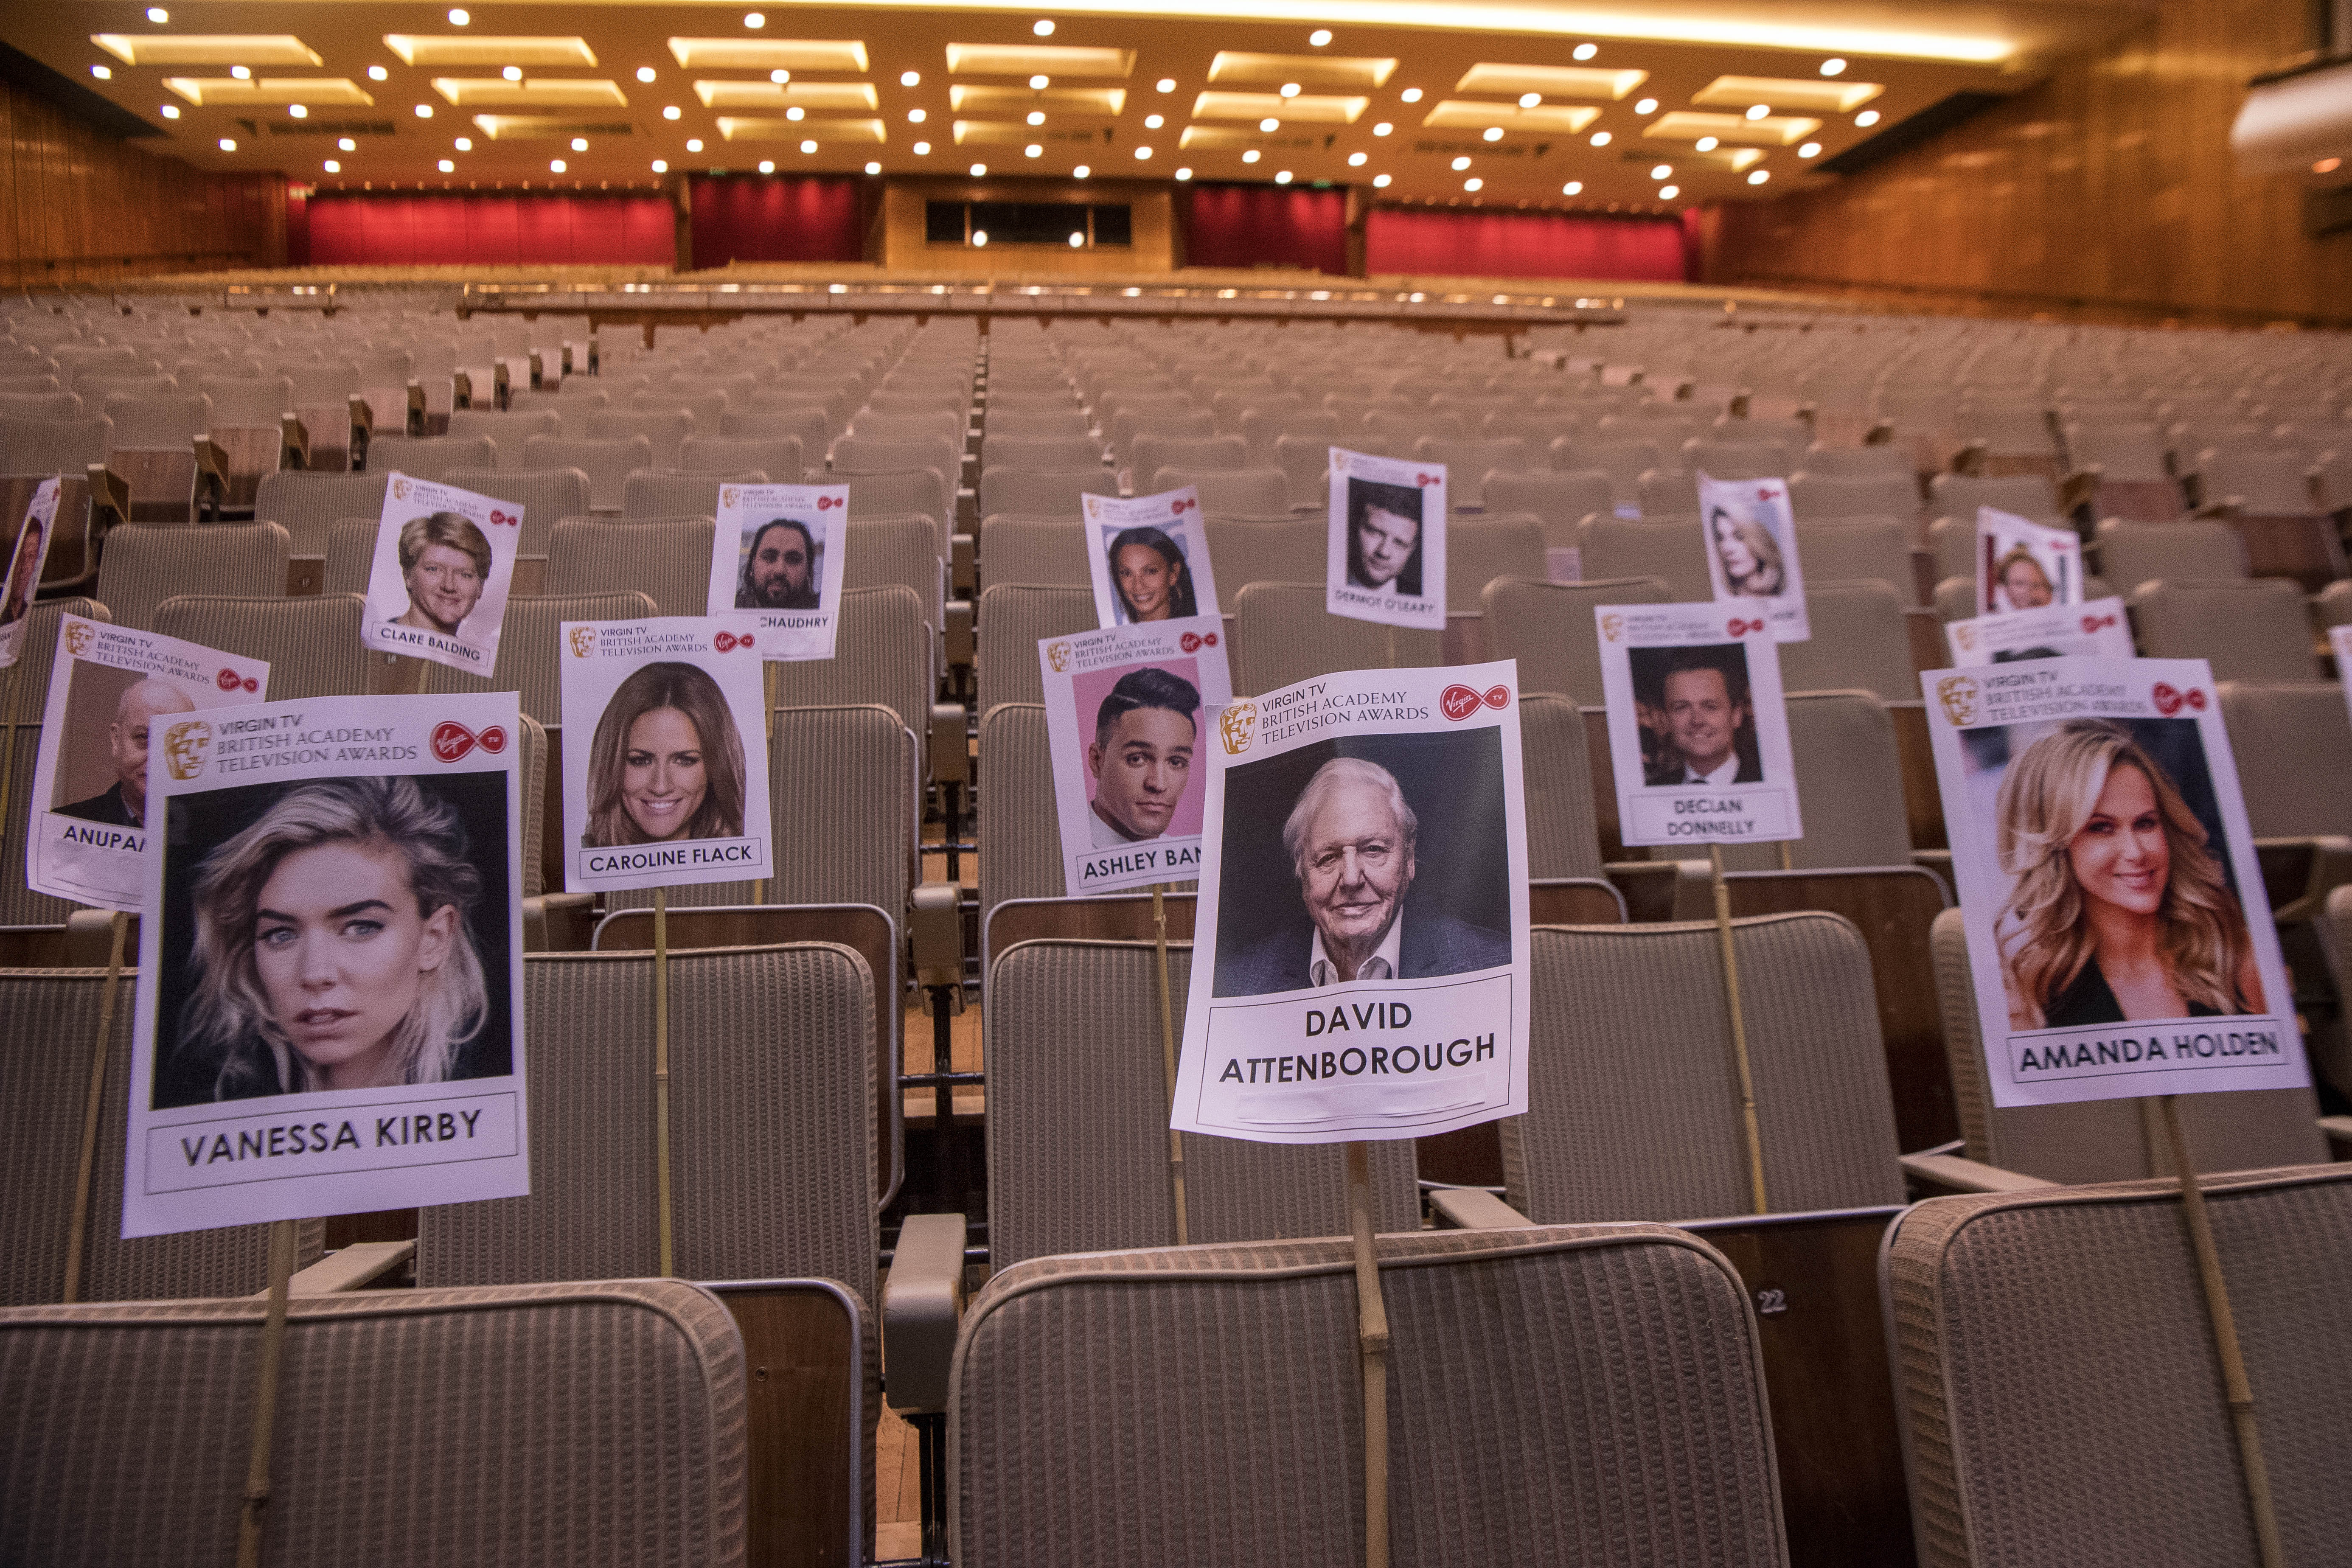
x=1698, y=723
x=1384, y=529
x=1370, y=857
x=23, y=569
x=781, y=567
x=444, y=565
x=1141, y=725
x=101, y=770
x=667, y=761
x=2021, y=582
x=333, y=934
x=1150, y=574
x=2025, y=566
x=1746, y=554
x=2121, y=904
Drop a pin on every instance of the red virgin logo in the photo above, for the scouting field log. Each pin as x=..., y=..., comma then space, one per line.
x=824, y=503
x=503, y=520
x=2169, y=702
x=1193, y=642
x=1427, y=479
x=452, y=741
x=1458, y=702
x=1740, y=628
x=1181, y=505
x=2094, y=623
x=231, y=681
x=728, y=641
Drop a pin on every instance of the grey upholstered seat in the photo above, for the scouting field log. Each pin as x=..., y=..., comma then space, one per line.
x=1633, y=1110
x=1850, y=782
x=1559, y=501
x=49, y=1026
x=312, y=643
x=431, y=458
x=663, y=430
x=2022, y=1456
x=781, y=457
x=1480, y=549
x=1241, y=552
x=1041, y=491
x=913, y=492
x=143, y=566
x=1283, y=634
x=616, y=1413
x=1549, y=628
x=1674, y=552
x=1043, y=452
x=2131, y=553
x=1260, y=495
x=647, y=493
x=510, y=431
x=881, y=654
x=1569, y=1396
x=895, y=550
x=1860, y=549
x=607, y=460
x=1046, y=551
x=307, y=505
x=350, y=555
x=545, y=495
x=530, y=650
x=2251, y=629
x=1562, y=839
x=1859, y=640
x=1013, y=618
x=1017, y=820
x=667, y=559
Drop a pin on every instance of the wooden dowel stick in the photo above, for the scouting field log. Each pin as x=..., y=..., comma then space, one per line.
x=661, y=1079
x=1168, y=1054
x=2235, y=1386
x=1748, y=1129
x=265, y=1396
x=77, y=1236
x=1372, y=1345
x=8, y=743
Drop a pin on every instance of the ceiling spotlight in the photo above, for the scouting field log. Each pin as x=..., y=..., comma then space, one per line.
x=1166, y=84
x=661, y=165
x=1151, y=121
x=1472, y=185
x=1383, y=129
x=580, y=144
x=911, y=78
x=157, y=15
x=977, y=171
x=1867, y=117
x=465, y=143
x=796, y=112
x=1832, y=68
x=1251, y=156
x=1493, y=133
x=1282, y=177
x=1269, y=124
x=1586, y=51
x=754, y=21
x=780, y=76
x=645, y=73
x=1530, y=99
x=767, y=165
x=1080, y=172
x=512, y=73
x=1290, y=89
x=1645, y=105
x=377, y=73
x=1034, y=150
x=1601, y=138
x=1319, y=37
x=1459, y=165
x=1077, y=240
x=298, y=110
x=1358, y=160
x=1573, y=188
x=1410, y=95
x=424, y=112
x=1759, y=176
x=2327, y=165
x=873, y=168
x=1143, y=153
x=1706, y=145
x=915, y=117
x=806, y=147
x=448, y=167
x=1379, y=182
x=103, y=73
x=1184, y=174
x=458, y=18
x=979, y=236
x=346, y=144
x=331, y=166
x=1759, y=110
x=669, y=112
x=1663, y=170
x=555, y=165
x=1037, y=117
x=1809, y=150
x=694, y=144
x=171, y=111
x=242, y=73
x=1043, y=27
x=1040, y=83
x=1668, y=192
x=922, y=149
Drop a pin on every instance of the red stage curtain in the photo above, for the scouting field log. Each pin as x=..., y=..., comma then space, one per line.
x=495, y=229
x=758, y=217
x=1476, y=243
x=1257, y=225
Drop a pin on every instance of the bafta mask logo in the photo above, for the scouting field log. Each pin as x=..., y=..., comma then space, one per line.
x=400, y=487
x=1058, y=656
x=1237, y=727
x=187, y=746
x=1966, y=636
x=1612, y=626
x=583, y=641
x=1093, y=509
x=1958, y=693
x=730, y=497
x=79, y=637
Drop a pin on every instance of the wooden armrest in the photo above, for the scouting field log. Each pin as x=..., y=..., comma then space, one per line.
x=922, y=1303
x=2337, y=1131
x=2331, y=867
x=558, y=923
x=1474, y=1209
x=461, y=393
x=1949, y=1174
x=110, y=493
x=363, y=416
x=415, y=408
x=294, y=439
x=1664, y=889
x=355, y=1268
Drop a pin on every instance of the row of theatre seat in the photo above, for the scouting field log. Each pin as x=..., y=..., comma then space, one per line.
x=1572, y=1377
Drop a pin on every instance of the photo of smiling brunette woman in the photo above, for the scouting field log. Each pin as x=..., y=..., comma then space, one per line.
x=437, y=585
x=1148, y=557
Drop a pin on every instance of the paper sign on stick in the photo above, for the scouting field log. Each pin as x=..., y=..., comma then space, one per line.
x=776, y=563
x=112, y=690
x=2094, y=802
x=438, y=588
x=330, y=1015
x=2339, y=639
x=1148, y=557
x=2025, y=566
x=664, y=753
x=1362, y=957
x=25, y=564
x=1698, y=732
x=1751, y=553
x=1127, y=711
x=1387, y=548
x=2097, y=629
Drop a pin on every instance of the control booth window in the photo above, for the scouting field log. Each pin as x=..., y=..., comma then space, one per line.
x=1070, y=226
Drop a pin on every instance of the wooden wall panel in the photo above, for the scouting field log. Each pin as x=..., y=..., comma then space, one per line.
x=2104, y=192
x=1150, y=211
x=79, y=207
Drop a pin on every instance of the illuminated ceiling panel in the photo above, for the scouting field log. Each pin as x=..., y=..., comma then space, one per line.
x=487, y=49
x=1106, y=101
x=215, y=90
x=1552, y=81
x=1012, y=133
x=754, y=129
x=208, y=49
x=1817, y=94
x=544, y=127
x=770, y=54
x=1732, y=159
x=834, y=95
x=539, y=92
x=1038, y=59
x=1234, y=138
x=1772, y=131
x=1310, y=109
x=1307, y=70
x=1465, y=114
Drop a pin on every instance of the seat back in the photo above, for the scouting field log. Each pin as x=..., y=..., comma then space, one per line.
x=667, y=559
x=1987, y=1432
x=626, y=1443
x=545, y=495
x=1282, y=634
x=1549, y=628
x=647, y=494
x=1046, y=551
x=1041, y=492
x=1564, y=838
x=1849, y=549
x=1818, y=497
x=1674, y=552
x=1043, y=452
x=1260, y=494
x=2295, y=752
x=529, y=647
x=2252, y=630
x=143, y=566
x=1850, y=781
x=608, y=461
x=1244, y=553
x=1479, y=550
x=53, y=446
x=663, y=430
x=1243, y=1361
x=432, y=458
x=881, y=654
x=1013, y=618
x=312, y=643
x=2131, y=553
x=1633, y=1106
x=309, y=504
x=2023, y=495
x=1468, y=462
x=781, y=457
x=1860, y=641
x=510, y=433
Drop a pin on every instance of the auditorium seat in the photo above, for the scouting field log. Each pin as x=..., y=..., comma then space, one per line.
x=1074, y=453
x=1012, y=618
x=1719, y=459
x=1885, y=460
x=152, y=448
x=53, y=446
x=1549, y=627
x=2119, y=470
x=1560, y=500
x=913, y=492
x=702, y=408
x=1253, y=495
x=2269, y=498
x=882, y=654
x=529, y=661
x=648, y=493
x=1241, y=552
x=860, y=455
x=1046, y=551
x=1282, y=634
x=430, y=459
x=31, y=404
x=2131, y=553
x=1041, y=492
x=662, y=428
x=1674, y=553
x=1263, y=428
x=145, y=564
x=1814, y=497
x=312, y=643
x=668, y=559
x=802, y=423
x=1468, y=462
x=2020, y=495
x=607, y=461
x=1011, y=420
x=2252, y=629
x=933, y=423
x=1625, y=461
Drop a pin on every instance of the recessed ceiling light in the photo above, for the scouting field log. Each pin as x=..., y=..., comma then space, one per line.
x=171, y=111
x=694, y=144
x=1152, y=121
x=1143, y=153
x=1706, y=143
x=580, y=144
x=979, y=236
x=977, y=171
x=1379, y=182
x=346, y=144
x=1383, y=129
x=1459, y=165
x=1167, y=84
x=1043, y=27
x=1358, y=160
x=157, y=15
x=795, y=112
x=377, y=73
x=1530, y=99
x=1586, y=51
x=1077, y=240
x=1601, y=138
x=922, y=149
x=1269, y=125
x=424, y=112
x=661, y=165
x=448, y=167
x=1251, y=156
x=873, y=168
x=1473, y=184
x=1492, y=133
x=645, y=73
x=512, y=73
x=242, y=73
x=331, y=166
x=780, y=76
x=465, y=143
x=1662, y=171
x=1282, y=177
x=1410, y=95
x=1289, y=90
x=102, y=73
x=1037, y=117
x=1647, y=106
x=1832, y=66
x=754, y=21
x=555, y=165
x=1573, y=188
x=458, y=18
x=805, y=147
x=1319, y=37
x=1034, y=150
x=1809, y=150
x=1867, y=117
x=1668, y=192
x=1040, y=83
x=1759, y=176
x=1759, y=110
x=767, y=165
x=1184, y=174
x=1080, y=172
x=670, y=112
x=911, y=78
